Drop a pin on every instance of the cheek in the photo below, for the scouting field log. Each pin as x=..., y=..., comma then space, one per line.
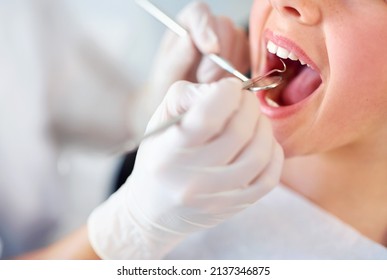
x=358, y=74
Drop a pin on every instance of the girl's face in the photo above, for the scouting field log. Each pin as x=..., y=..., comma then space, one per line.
x=341, y=97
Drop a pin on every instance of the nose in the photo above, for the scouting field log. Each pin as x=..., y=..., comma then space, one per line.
x=306, y=12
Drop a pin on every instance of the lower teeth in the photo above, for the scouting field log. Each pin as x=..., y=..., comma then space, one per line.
x=271, y=102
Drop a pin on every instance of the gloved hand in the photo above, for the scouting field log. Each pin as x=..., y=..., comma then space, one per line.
x=220, y=159
x=181, y=58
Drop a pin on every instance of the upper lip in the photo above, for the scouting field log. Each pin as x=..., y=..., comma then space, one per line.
x=290, y=46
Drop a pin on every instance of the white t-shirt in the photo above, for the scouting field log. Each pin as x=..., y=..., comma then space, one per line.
x=282, y=225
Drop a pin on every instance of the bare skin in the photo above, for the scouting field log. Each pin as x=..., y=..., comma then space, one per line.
x=353, y=190
x=75, y=246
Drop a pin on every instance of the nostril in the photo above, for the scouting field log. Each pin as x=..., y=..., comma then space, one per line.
x=292, y=11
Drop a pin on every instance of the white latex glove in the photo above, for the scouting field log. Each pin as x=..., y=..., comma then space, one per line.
x=220, y=159
x=181, y=58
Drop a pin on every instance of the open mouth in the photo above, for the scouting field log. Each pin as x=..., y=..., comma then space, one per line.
x=301, y=78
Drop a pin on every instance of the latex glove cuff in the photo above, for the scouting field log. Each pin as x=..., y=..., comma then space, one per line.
x=118, y=230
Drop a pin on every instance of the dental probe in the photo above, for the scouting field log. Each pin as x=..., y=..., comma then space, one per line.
x=255, y=84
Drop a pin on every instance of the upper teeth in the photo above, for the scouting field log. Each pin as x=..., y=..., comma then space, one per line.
x=282, y=53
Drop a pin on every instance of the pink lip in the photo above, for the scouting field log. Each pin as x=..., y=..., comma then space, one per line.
x=289, y=45
x=285, y=111
x=280, y=112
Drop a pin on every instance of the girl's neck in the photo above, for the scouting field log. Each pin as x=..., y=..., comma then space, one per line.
x=348, y=183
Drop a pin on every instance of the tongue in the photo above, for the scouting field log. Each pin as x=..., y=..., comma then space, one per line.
x=303, y=85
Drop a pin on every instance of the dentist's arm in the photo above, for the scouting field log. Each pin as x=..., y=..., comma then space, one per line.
x=219, y=160
x=75, y=246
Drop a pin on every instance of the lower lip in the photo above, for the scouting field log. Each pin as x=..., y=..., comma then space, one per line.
x=282, y=111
